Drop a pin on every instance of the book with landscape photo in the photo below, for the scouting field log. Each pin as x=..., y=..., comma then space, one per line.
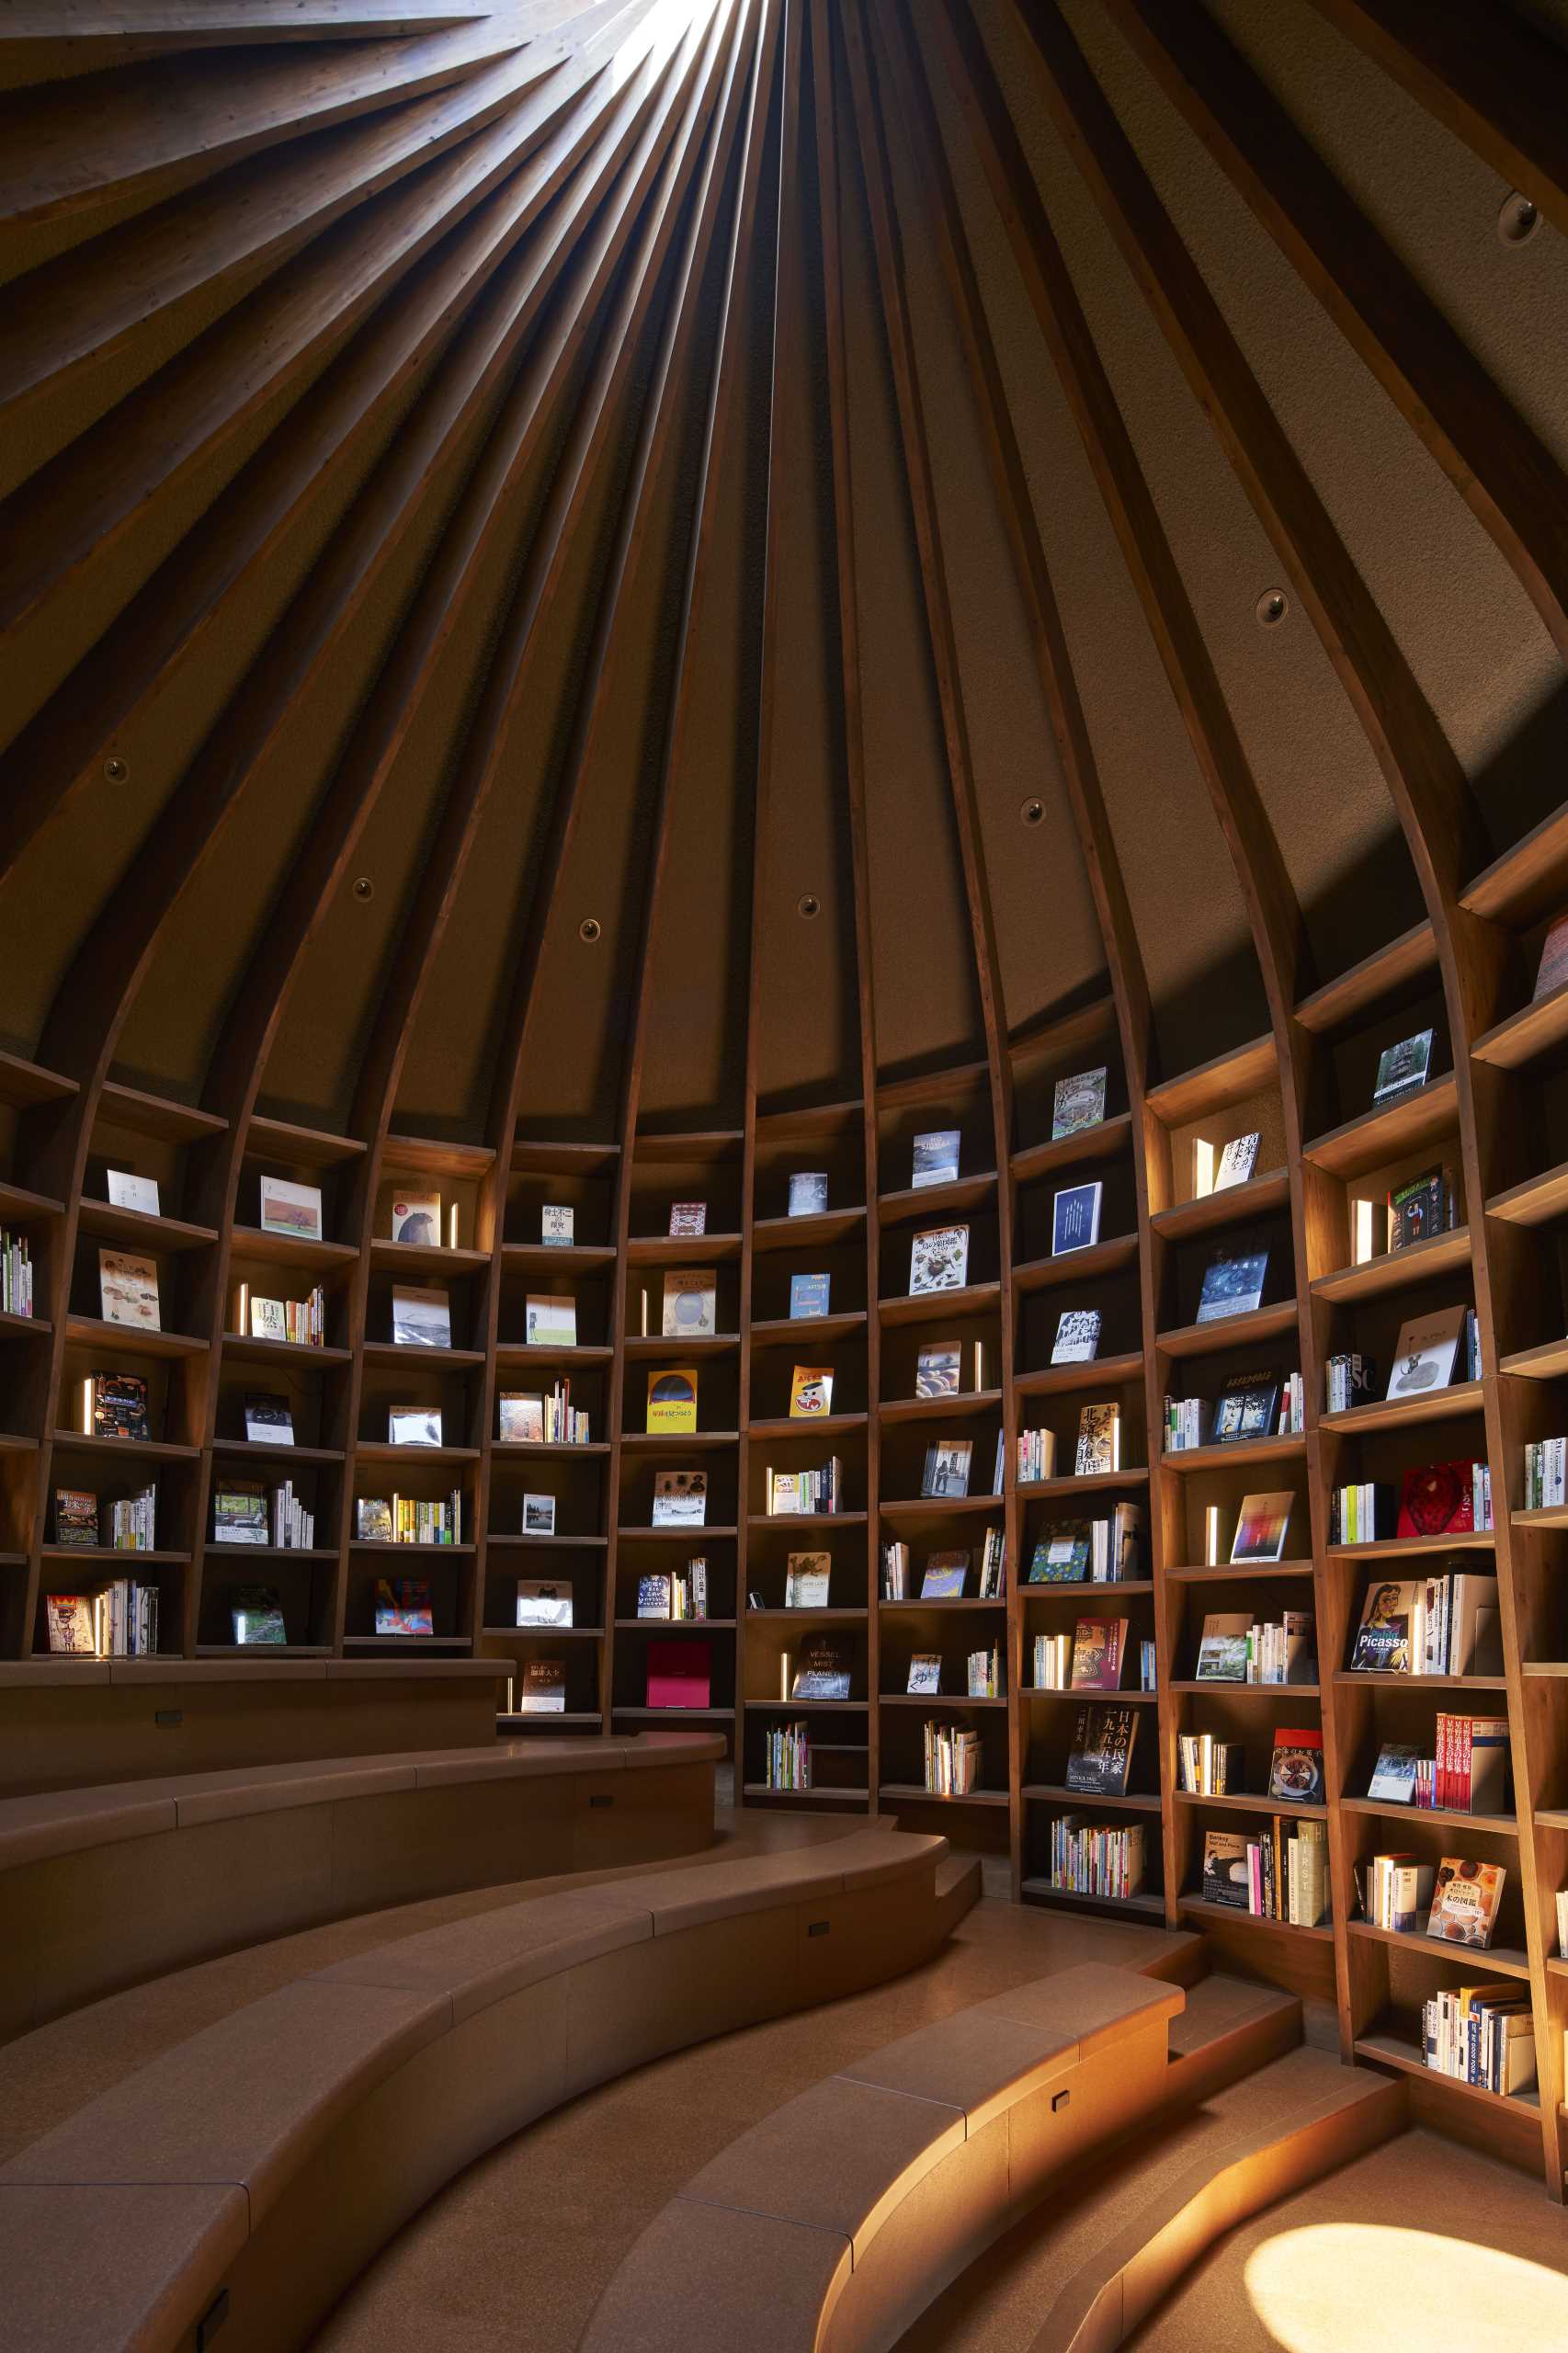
x=290, y=1209
x=1402, y=1068
x=934, y=1159
x=1233, y=1281
x=255, y=1616
x=552, y=1321
x=421, y=1318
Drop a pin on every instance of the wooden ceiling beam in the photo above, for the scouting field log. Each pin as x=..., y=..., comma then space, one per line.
x=1423, y=775
x=122, y=27
x=1503, y=471
x=1496, y=81
x=165, y=624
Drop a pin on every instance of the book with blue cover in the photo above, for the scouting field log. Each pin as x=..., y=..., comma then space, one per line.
x=809, y=1295
x=1076, y=1219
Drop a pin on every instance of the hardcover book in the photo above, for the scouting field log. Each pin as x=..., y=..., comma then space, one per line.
x=937, y=1372
x=688, y=1217
x=807, y=1577
x=542, y=1688
x=421, y=1318
x=808, y=1193
x=654, y=1596
x=1384, y=1639
x=1099, y=1441
x=413, y=1425
x=672, y=1399
x=1233, y=1281
x=947, y=1467
x=936, y=1158
x=1222, y=1649
x=1423, y=1357
x=1419, y=1208
x=1237, y=1162
x=290, y=1209
x=1225, y=1869
x=69, y=1618
x=416, y=1220
x=811, y=1391
x=944, y=1577
x=552, y=1321
x=1075, y=1218
x=679, y=1675
x=402, y=1606
x=1099, y=1648
x=119, y=1406
x=1062, y=1554
x=255, y=1616
x=691, y=1303
x=127, y=1289
x=822, y=1669
x=269, y=1319
x=557, y=1224
x=924, y=1674
x=1247, y=1406
x=1465, y=1900
x=521, y=1417
x=1393, y=1775
x=1077, y=1103
x=1100, y=1760
x=539, y=1515
x=543, y=1602
x=76, y=1517
x=1262, y=1528
x=1295, y=1772
x=680, y=1498
x=372, y=1520
x=1402, y=1068
x=128, y=1192
x=938, y=1259
x=240, y=1513
x=1077, y=1338
x=808, y=1296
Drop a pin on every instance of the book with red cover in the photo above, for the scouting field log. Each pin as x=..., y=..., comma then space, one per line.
x=1437, y=1500
x=1097, y=1649
x=678, y=1674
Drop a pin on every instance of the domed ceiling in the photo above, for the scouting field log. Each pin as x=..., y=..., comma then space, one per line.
x=531, y=531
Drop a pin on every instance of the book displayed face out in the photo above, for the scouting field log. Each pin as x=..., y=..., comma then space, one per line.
x=680, y=1498
x=1233, y=1281
x=811, y=1391
x=413, y=1425
x=809, y=1296
x=688, y=1217
x=944, y=1577
x=1237, y=1162
x=936, y=1159
x=543, y=1602
x=1077, y=1338
x=1424, y=1358
x=557, y=1224
x=808, y=1193
x=402, y=1606
x=539, y=1515
x=1075, y=1218
x=1262, y=1527
x=552, y=1321
x=128, y=1192
x=807, y=1579
x=691, y=1298
x=1078, y=1103
x=947, y=1467
x=1402, y=1068
x=290, y=1209
x=421, y=1318
x=672, y=1399
x=416, y=1220
x=938, y=1259
x=937, y=1372
x=127, y=1287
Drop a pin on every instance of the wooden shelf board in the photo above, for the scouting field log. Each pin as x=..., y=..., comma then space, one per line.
x=806, y=1796
x=1393, y=1270
x=382, y=1450
x=1379, y=978
x=934, y=1700
x=1527, y=881
x=1135, y=1475
x=804, y=1332
x=262, y=1651
x=922, y=1087
x=936, y=1409
x=827, y=1614
x=681, y=1250
x=780, y=1122
x=1505, y=1960
x=1536, y=1202
x=265, y=1449
x=911, y=1203
x=1398, y=1413
x=1148, y=1907
x=939, y=1306
x=1057, y=1794
x=939, y=1506
x=674, y=1441
x=1245, y=1802
x=1248, y=1690
x=437, y=1156
x=1082, y=1698
x=1547, y=1516
x=1535, y=1029
x=1394, y=1548
x=1545, y=1363
x=16, y=1442
x=401, y=1544
x=1107, y=1139
x=1233, y=1077
x=25, y=1082
x=244, y=1348
x=1350, y=1676
x=530, y=1449
x=1196, y=1907
x=156, y=1115
x=826, y=1707
x=286, y=1141
x=138, y=1230
x=516, y=1356
x=238, y=1553
x=1229, y=1331
x=548, y=1543
x=1500, y=1825
x=251, y=1241
x=917, y=1793
x=686, y=1535
x=556, y=1258
x=664, y=1625
x=1225, y=1572
x=802, y=1425
x=20, y=1207
x=1053, y=1588
x=1236, y=1205
x=690, y=1146
x=559, y=1157
x=546, y=1719
x=25, y=1327
x=1185, y=1458
x=419, y=1260
x=1392, y=2051
x=106, y=1554
x=92, y=1331
x=805, y=1519
x=935, y=1604
x=397, y=1354
x=642, y=1346
x=1389, y=1131
x=1076, y=1266
x=819, y=1231
x=414, y=1643
x=1063, y=1379
x=676, y=1715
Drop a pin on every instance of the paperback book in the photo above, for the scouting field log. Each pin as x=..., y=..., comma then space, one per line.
x=809, y=1296
x=552, y=1321
x=290, y=1209
x=1233, y=1281
x=128, y=1289
x=672, y=1399
x=937, y=1372
x=543, y=1602
x=1078, y=1103
x=680, y=1498
x=808, y=1193
x=938, y=1259
x=421, y=1318
x=946, y=1471
x=1077, y=1338
x=416, y=1220
x=811, y=1391
x=402, y=1606
x=128, y=1192
x=1075, y=1218
x=936, y=1158
x=807, y=1577
x=691, y=1303
x=1402, y=1068
x=945, y=1576
x=1100, y=1759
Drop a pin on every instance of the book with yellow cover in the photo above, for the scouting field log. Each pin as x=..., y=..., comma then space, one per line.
x=672, y=1399
x=811, y=1391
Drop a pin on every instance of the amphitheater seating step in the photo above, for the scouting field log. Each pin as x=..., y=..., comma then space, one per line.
x=1229, y=2028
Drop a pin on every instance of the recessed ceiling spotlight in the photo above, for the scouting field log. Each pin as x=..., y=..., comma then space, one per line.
x=590, y=929
x=364, y=888
x=1032, y=813
x=116, y=770
x=1519, y=220
x=807, y=905
x=1272, y=608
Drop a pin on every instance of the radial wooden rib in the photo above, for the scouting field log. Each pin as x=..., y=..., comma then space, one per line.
x=122, y=27
x=167, y=622
x=787, y=352
x=1489, y=76
x=1503, y=471
x=155, y=127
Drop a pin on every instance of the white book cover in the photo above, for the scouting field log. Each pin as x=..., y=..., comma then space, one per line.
x=557, y=1221
x=268, y=1320
x=128, y=1192
x=1424, y=1360
x=1077, y=1336
x=416, y=1220
x=413, y=1425
x=541, y=1602
x=808, y=1193
x=680, y=1498
x=539, y=1515
x=290, y=1209
x=938, y=1259
x=127, y=1287
x=421, y=1318
x=551, y=1322
x=1237, y=1162
x=691, y=1304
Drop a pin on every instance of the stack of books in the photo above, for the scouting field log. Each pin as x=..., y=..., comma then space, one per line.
x=1350, y=1379
x=1211, y=1767
x=1091, y=1859
x=986, y=1673
x=409, y=1519
x=16, y=1274
x=1467, y=1773
x=1281, y=1874
x=806, y=1492
x=951, y=1761
x=119, y=1622
x=131, y=1522
x=1482, y=2034
x=1037, y=1455
x=787, y=1757
x=1546, y=1474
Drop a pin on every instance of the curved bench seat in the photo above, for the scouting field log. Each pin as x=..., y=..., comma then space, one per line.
x=102, y=1888
x=267, y=2158
x=832, y=2225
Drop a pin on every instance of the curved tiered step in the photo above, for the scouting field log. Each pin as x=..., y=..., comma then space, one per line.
x=104, y=1888
x=252, y=2170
